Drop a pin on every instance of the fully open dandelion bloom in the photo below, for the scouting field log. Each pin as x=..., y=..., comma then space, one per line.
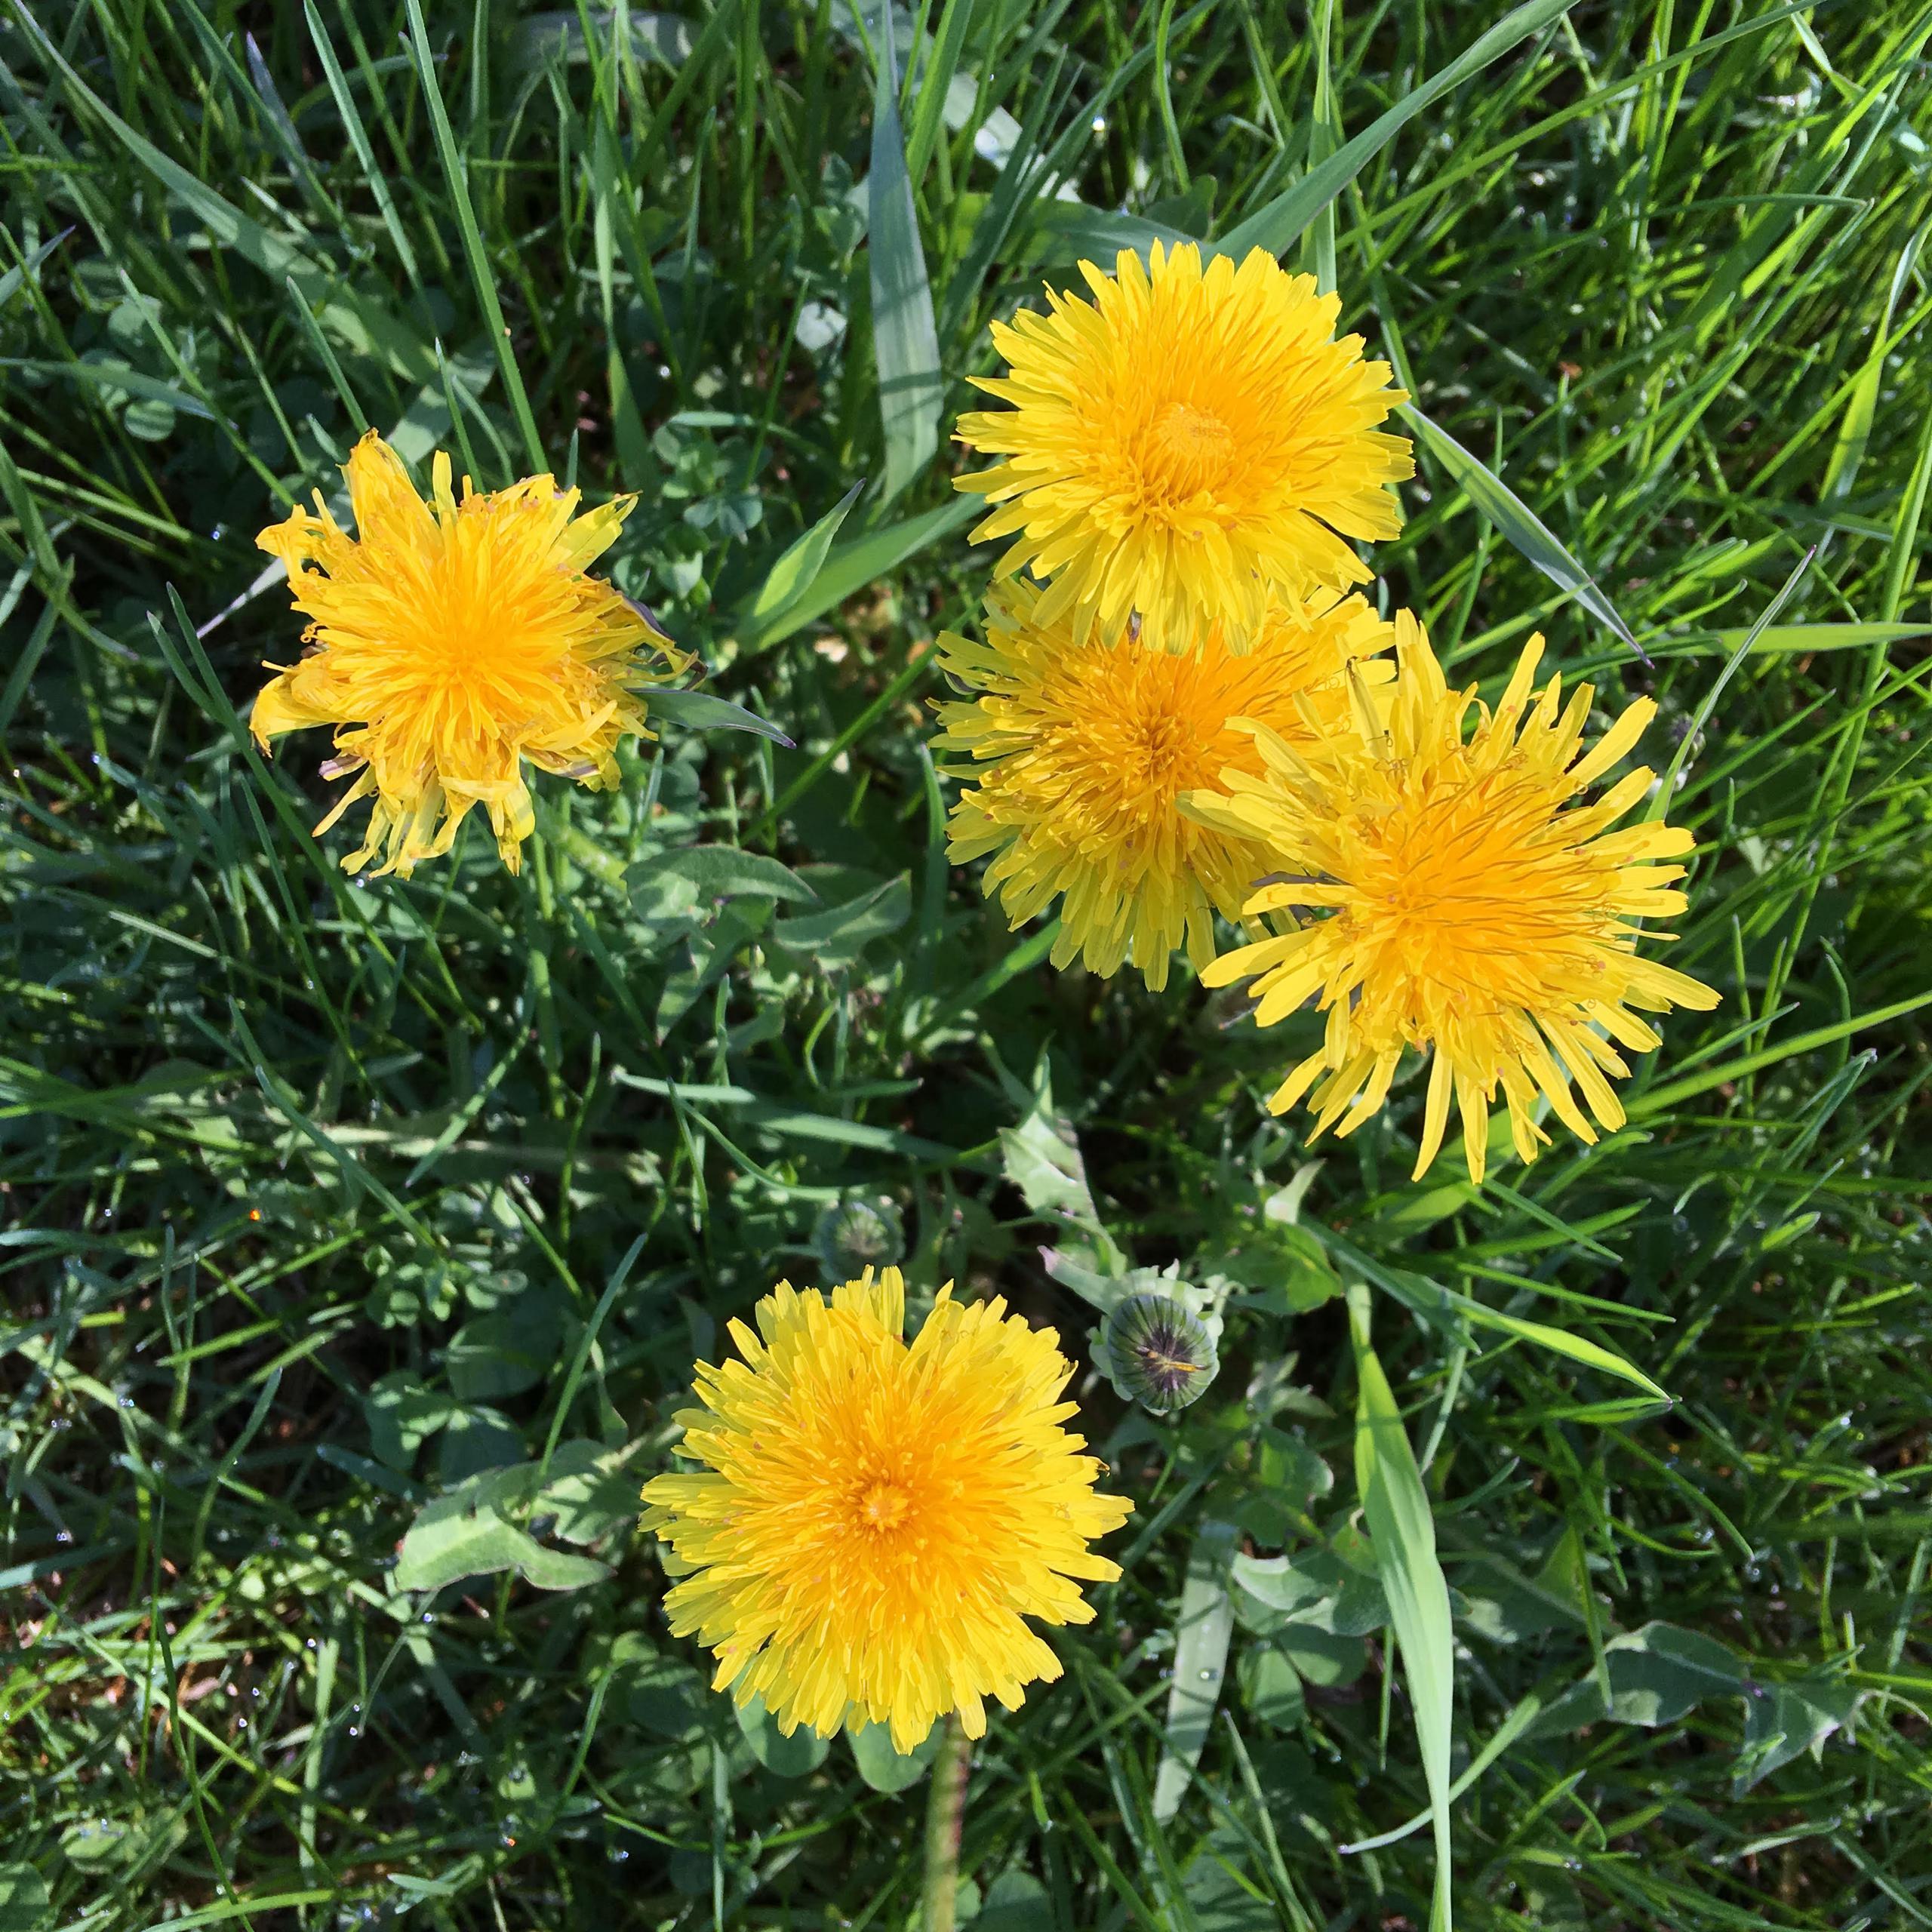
x=878, y=1518
x=1082, y=751
x=1186, y=443
x=1475, y=910
x=450, y=648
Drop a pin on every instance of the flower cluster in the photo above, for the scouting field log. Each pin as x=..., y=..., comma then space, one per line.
x=1190, y=712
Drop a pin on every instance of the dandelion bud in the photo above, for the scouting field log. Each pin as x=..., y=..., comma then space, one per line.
x=1157, y=1352
x=858, y=1233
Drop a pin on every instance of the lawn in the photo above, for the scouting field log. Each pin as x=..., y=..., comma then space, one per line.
x=360, y=1232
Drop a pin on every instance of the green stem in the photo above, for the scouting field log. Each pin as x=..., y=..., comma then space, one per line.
x=945, y=1808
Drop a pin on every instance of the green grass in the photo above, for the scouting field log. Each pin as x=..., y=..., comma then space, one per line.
x=324, y=1196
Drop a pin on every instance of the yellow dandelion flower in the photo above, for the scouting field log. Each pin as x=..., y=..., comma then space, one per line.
x=1082, y=750
x=1188, y=442
x=451, y=647
x=1475, y=910
x=878, y=1518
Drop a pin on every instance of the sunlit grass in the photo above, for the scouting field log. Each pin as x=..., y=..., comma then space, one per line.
x=324, y=1196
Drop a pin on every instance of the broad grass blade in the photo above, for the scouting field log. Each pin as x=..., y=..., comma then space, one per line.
x=794, y=573
x=1403, y=1533
x=905, y=337
x=1520, y=524
x=1558, y=1339
x=852, y=566
x=1318, y=244
x=1201, y=1661
x=1855, y=429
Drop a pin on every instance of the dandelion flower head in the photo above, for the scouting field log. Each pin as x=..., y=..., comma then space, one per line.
x=1190, y=440
x=878, y=1518
x=1469, y=905
x=1081, y=751
x=451, y=646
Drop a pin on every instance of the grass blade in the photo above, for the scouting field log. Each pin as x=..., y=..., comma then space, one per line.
x=852, y=566
x=15, y=278
x=935, y=81
x=1403, y=1532
x=357, y=318
x=1855, y=429
x=1282, y=223
x=1559, y=1340
x=1495, y=499
x=791, y=579
x=905, y=337
x=456, y=176
x=700, y=710
x=359, y=140
x=1201, y=1638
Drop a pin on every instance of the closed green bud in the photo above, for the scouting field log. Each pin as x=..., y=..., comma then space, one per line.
x=1157, y=1352
x=858, y=1232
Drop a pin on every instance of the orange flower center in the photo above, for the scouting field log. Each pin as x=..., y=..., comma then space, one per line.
x=1138, y=727
x=1189, y=450
x=1469, y=886
x=884, y=1506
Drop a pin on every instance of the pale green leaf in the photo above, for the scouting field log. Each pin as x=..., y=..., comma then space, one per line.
x=724, y=872
x=1403, y=1532
x=793, y=1757
x=699, y=710
x=835, y=936
x=1201, y=1662
x=444, y=1545
x=792, y=576
x=883, y=1768
x=23, y=1901
x=905, y=337
x=853, y=566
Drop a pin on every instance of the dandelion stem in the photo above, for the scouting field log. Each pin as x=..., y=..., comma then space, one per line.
x=945, y=1810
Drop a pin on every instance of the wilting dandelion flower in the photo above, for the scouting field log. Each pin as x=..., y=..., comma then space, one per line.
x=1475, y=910
x=878, y=1518
x=451, y=647
x=1081, y=749
x=1189, y=442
